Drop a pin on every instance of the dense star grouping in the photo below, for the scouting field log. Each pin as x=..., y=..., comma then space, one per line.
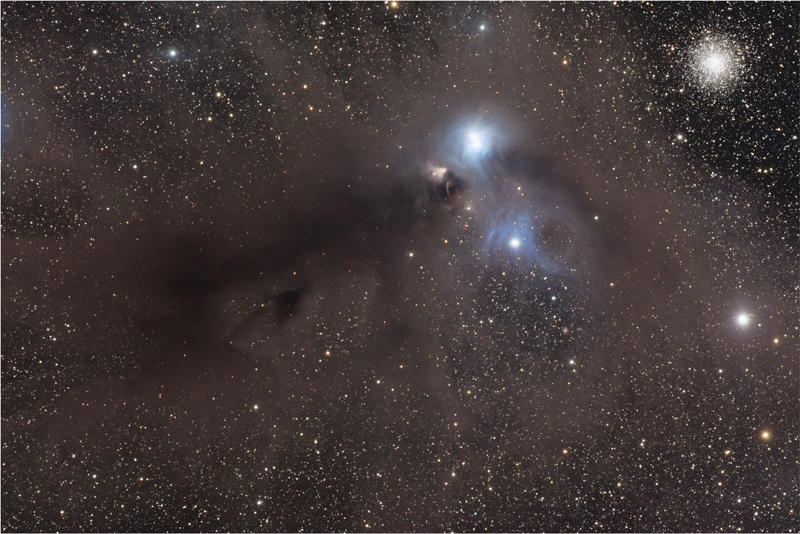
x=399, y=267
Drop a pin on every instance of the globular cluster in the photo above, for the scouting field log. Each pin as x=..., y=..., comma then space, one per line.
x=717, y=63
x=400, y=266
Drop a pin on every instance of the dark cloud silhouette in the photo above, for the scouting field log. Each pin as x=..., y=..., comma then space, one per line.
x=446, y=270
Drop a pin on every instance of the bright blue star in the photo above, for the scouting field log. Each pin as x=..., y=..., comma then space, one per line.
x=475, y=140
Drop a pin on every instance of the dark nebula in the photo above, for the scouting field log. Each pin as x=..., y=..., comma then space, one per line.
x=400, y=267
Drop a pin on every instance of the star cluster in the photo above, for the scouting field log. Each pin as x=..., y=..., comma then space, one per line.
x=399, y=267
x=717, y=64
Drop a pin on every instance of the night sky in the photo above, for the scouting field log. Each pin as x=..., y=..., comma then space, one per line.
x=400, y=267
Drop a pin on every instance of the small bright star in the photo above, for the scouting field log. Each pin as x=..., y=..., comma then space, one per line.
x=483, y=27
x=743, y=319
x=515, y=242
x=438, y=172
x=173, y=53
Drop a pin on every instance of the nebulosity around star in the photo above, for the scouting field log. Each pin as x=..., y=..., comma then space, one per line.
x=743, y=319
x=399, y=267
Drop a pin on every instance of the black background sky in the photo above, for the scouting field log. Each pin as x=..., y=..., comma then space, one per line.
x=399, y=267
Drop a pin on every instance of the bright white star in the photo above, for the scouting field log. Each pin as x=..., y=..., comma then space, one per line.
x=475, y=140
x=515, y=242
x=743, y=319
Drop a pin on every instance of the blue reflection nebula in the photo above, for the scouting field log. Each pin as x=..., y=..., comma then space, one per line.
x=472, y=147
x=476, y=142
x=516, y=236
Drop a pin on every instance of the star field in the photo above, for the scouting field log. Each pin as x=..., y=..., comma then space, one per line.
x=400, y=267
